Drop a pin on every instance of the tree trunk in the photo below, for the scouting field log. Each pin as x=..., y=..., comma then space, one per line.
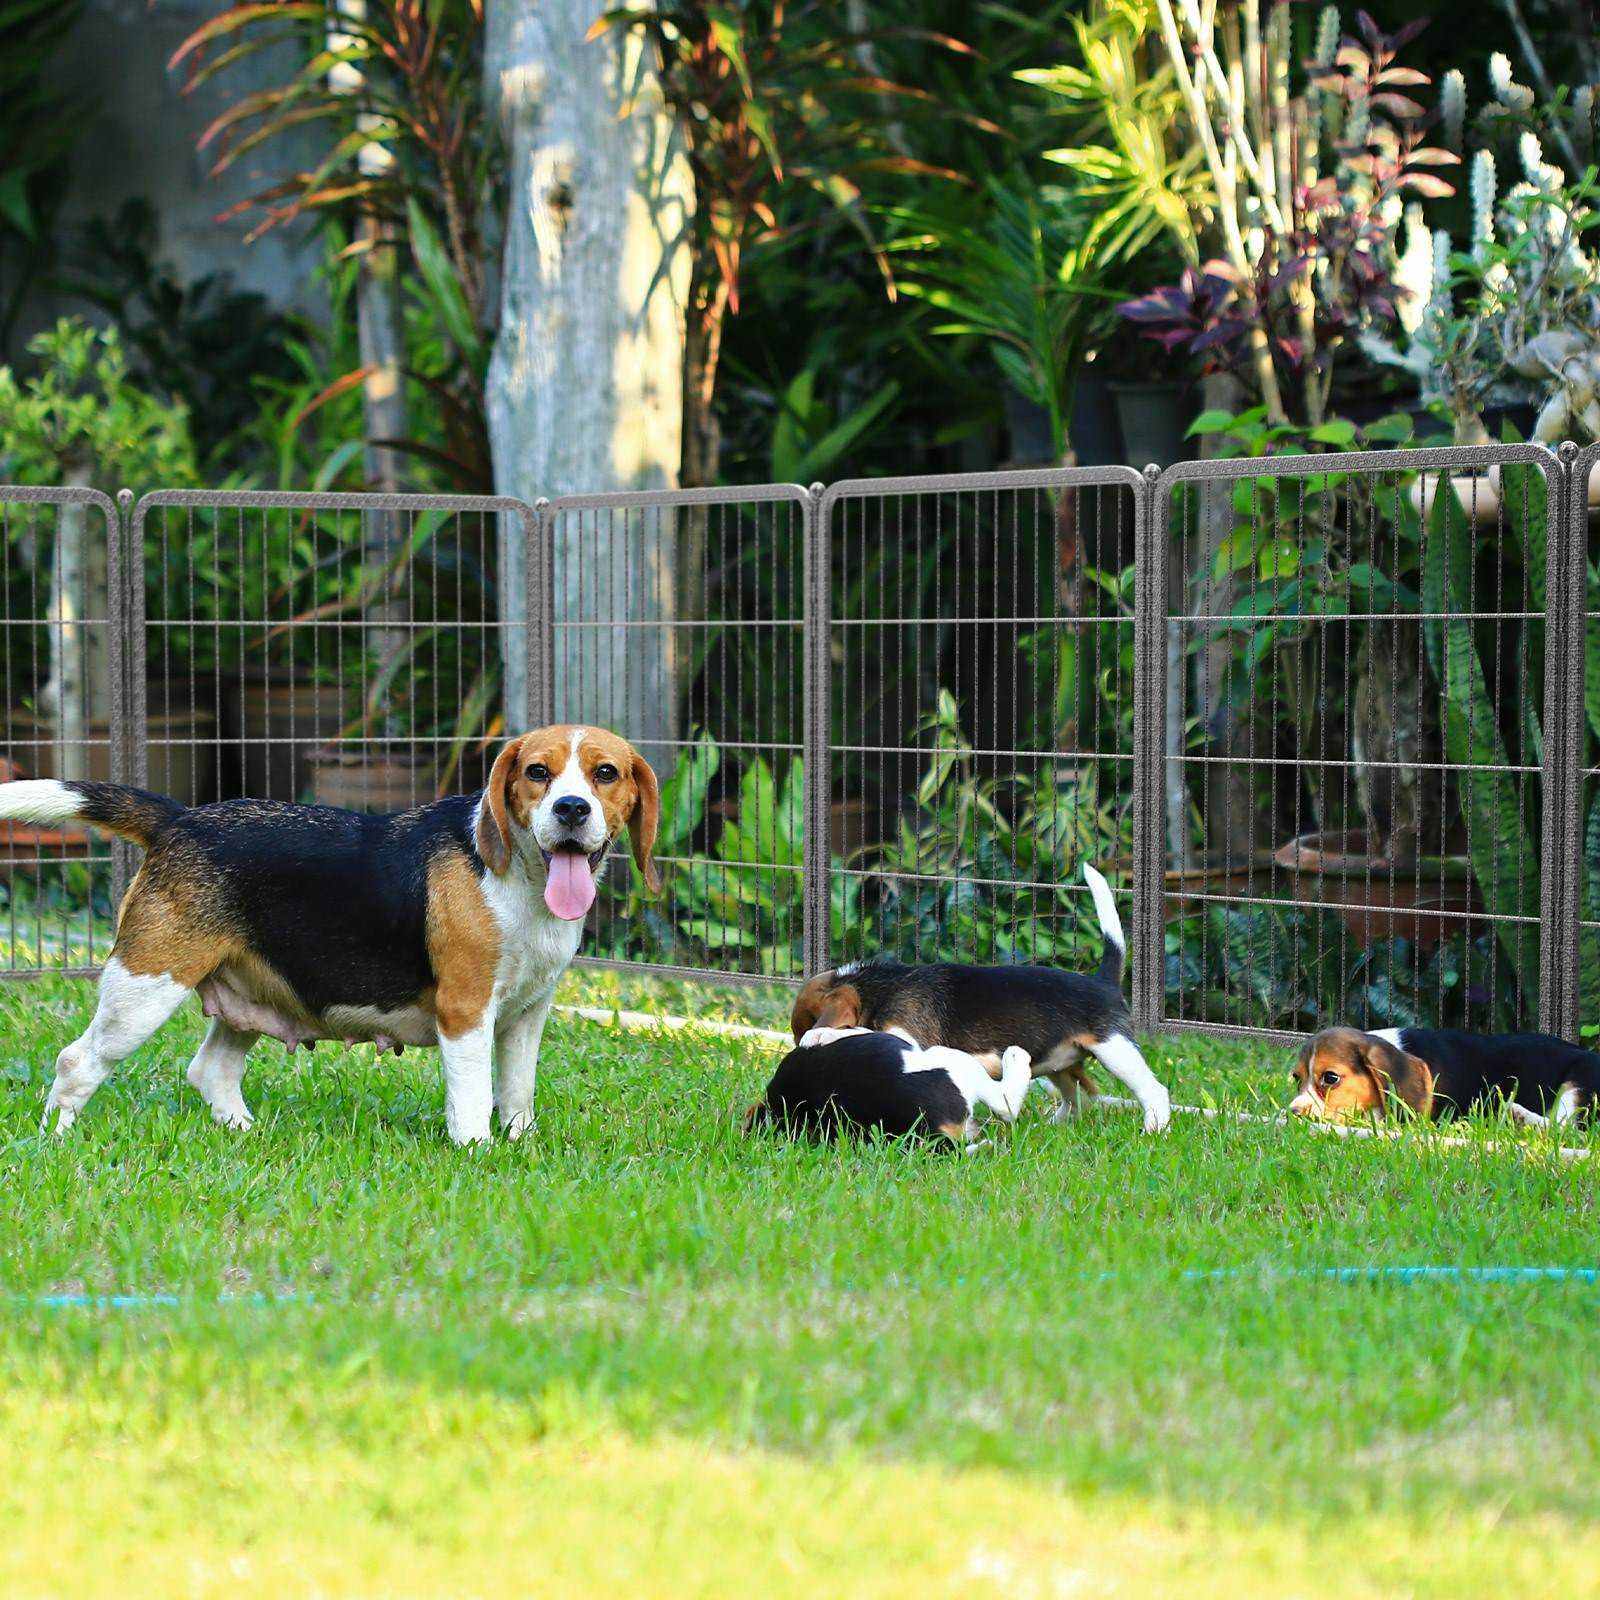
x=585, y=389
x=78, y=692
x=381, y=335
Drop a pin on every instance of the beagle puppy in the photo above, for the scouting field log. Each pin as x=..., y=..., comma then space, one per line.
x=887, y=1081
x=1344, y=1073
x=445, y=925
x=1058, y=1018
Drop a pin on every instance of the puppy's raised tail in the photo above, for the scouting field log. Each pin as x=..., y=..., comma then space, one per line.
x=128, y=813
x=1116, y=951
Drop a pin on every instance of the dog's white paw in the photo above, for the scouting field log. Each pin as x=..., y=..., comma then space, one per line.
x=520, y=1124
x=64, y=1116
x=1158, y=1113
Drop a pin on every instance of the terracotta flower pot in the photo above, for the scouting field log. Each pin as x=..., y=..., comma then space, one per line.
x=181, y=749
x=1373, y=897
x=366, y=779
x=279, y=724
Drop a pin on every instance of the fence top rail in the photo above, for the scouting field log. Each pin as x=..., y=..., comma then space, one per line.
x=985, y=482
x=1441, y=458
x=27, y=494
x=648, y=499
x=297, y=500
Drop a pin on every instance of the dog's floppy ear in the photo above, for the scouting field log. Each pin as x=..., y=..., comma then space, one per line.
x=494, y=821
x=842, y=1008
x=758, y=1116
x=645, y=823
x=1409, y=1077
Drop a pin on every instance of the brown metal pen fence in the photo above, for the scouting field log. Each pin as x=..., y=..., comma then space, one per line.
x=1326, y=722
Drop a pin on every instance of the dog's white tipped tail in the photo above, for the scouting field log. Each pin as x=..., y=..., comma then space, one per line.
x=46, y=800
x=1105, y=906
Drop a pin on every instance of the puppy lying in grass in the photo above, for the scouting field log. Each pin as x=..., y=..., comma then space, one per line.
x=1431, y=1072
x=865, y=1080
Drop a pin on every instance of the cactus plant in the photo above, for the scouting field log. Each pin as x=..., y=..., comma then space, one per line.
x=1515, y=317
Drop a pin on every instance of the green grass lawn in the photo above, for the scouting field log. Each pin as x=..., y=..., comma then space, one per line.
x=639, y=1355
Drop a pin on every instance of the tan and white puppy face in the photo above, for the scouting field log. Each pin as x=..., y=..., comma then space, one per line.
x=1344, y=1073
x=559, y=796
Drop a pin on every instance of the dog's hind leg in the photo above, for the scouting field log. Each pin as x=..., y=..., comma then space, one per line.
x=1120, y=1056
x=130, y=1009
x=217, y=1071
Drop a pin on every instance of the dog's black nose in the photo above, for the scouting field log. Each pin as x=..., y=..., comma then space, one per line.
x=571, y=810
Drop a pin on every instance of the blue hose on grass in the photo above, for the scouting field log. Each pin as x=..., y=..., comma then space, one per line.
x=1422, y=1274
x=1414, y=1274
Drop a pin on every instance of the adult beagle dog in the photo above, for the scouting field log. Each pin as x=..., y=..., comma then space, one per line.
x=1058, y=1018
x=1344, y=1073
x=445, y=925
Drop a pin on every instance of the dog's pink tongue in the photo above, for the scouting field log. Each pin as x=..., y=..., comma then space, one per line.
x=569, y=885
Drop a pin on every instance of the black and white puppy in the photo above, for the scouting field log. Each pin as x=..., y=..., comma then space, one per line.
x=1059, y=1018
x=1344, y=1073
x=886, y=1081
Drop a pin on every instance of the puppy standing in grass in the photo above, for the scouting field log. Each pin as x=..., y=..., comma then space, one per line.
x=1058, y=1018
x=446, y=925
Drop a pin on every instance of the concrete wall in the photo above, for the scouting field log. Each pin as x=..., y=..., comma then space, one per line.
x=139, y=141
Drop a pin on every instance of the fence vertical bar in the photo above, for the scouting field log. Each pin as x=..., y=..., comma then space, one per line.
x=1560, y=755
x=1149, y=663
x=539, y=529
x=815, y=519
x=1566, y=596
x=124, y=655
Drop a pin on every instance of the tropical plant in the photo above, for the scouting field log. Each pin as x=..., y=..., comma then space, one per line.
x=81, y=413
x=1139, y=179
x=1024, y=279
x=1265, y=967
x=768, y=96
x=39, y=128
x=987, y=868
x=1292, y=250
x=409, y=156
x=1513, y=319
x=77, y=421
x=204, y=343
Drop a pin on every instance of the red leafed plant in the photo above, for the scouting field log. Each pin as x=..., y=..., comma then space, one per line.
x=1310, y=190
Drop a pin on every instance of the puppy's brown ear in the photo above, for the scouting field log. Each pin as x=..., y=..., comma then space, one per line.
x=645, y=823
x=842, y=1008
x=494, y=821
x=756, y=1117
x=808, y=1004
x=1408, y=1077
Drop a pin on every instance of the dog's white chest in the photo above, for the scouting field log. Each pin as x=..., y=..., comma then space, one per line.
x=535, y=947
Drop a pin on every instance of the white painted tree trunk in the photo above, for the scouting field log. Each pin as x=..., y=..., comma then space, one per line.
x=585, y=385
x=78, y=691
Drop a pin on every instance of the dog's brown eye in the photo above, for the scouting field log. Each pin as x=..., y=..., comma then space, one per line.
x=1329, y=1080
x=605, y=773
x=538, y=773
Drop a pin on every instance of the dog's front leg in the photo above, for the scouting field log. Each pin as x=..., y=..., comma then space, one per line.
x=468, y=1057
x=516, y=1066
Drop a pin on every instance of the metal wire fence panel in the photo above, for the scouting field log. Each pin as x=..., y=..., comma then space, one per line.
x=1578, y=931
x=979, y=689
x=63, y=640
x=1356, y=826
x=680, y=622
x=344, y=649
